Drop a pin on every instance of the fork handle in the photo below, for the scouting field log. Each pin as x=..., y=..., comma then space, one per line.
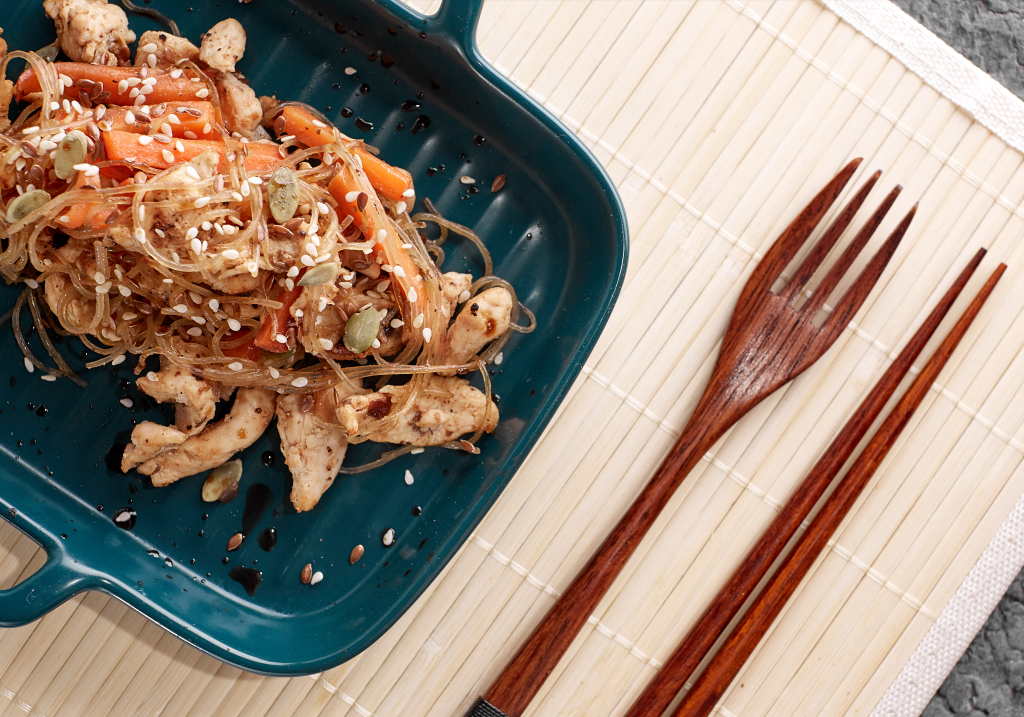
x=523, y=677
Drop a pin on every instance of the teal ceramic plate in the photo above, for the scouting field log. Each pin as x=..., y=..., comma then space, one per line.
x=557, y=232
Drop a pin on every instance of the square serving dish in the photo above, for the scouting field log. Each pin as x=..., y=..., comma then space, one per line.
x=556, y=230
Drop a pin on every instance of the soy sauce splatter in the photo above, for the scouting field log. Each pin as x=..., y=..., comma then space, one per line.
x=364, y=125
x=421, y=123
x=257, y=499
x=268, y=539
x=248, y=578
x=410, y=106
x=113, y=457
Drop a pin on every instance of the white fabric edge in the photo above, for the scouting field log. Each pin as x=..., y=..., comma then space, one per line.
x=1002, y=112
x=958, y=623
x=939, y=65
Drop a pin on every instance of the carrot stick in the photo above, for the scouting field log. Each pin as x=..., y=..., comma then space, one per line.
x=340, y=187
x=166, y=89
x=274, y=324
x=247, y=350
x=82, y=213
x=125, y=146
x=392, y=182
x=116, y=116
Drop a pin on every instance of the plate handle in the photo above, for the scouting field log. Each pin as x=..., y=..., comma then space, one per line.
x=40, y=592
x=458, y=19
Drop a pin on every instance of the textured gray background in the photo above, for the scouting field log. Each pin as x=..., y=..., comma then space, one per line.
x=989, y=679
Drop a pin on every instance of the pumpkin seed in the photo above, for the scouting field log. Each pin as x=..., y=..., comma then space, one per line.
x=319, y=275
x=283, y=194
x=71, y=151
x=361, y=330
x=222, y=480
x=24, y=205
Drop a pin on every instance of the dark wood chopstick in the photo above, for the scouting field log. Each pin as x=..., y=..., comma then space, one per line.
x=712, y=683
x=671, y=678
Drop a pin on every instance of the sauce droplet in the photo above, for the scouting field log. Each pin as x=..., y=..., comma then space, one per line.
x=268, y=458
x=248, y=578
x=125, y=518
x=364, y=125
x=479, y=140
x=346, y=112
x=410, y=106
x=421, y=123
x=416, y=511
x=257, y=499
x=268, y=539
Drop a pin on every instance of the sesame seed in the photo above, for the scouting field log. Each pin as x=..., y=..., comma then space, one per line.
x=328, y=159
x=318, y=123
x=234, y=324
x=327, y=344
x=229, y=254
x=412, y=294
x=375, y=344
x=293, y=272
x=255, y=181
x=228, y=229
x=166, y=129
x=289, y=284
x=134, y=93
x=322, y=258
x=281, y=339
x=98, y=276
x=389, y=537
x=140, y=235
x=179, y=146
x=191, y=171
x=235, y=366
x=122, y=87
x=214, y=304
x=48, y=377
x=151, y=60
x=152, y=376
x=103, y=288
x=408, y=478
x=300, y=382
x=386, y=267
x=307, y=260
x=426, y=335
x=399, y=271
x=382, y=235
x=400, y=207
x=350, y=70
x=119, y=360
x=199, y=320
x=407, y=246
x=207, y=226
x=189, y=134
x=323, y=303
x=351, y=196
x=32, y=283
x=181, y=308
x=66, y=105
x=245, y=189
x=173, y=119
x=323, y=208
x=317, y=577
x=129, y=316
x=311, y=249
x=274, y=373
x=197, y=246
x=383, y=286
x=145, y=139
x=81, y=167
x=92, y=171
x=207, y=128
x=466, y=179
x=195, y=331
x=397, y=323
x=28, y=365
x=148, y=48
x=192, y=233
x=499, y=358
x=175, y=74
x=203, y=93
x=409, y=193
x=236, y=196
x=202, y=201
x=167, y=155
x=418, y=321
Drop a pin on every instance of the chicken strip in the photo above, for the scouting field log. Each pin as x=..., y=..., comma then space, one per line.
x=454, y=284
x=312, y=443
x=242, y=111
x=485, y=319
x=195, y=399
x=148, y=440
x=91, y=30
x=249, y=417
x=6, y=92
x=223, y=45
x=446, y=408
x=167, y=48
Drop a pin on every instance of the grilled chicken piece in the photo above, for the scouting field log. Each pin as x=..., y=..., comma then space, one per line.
x=312, y=443
x=148, y=440
x=242, y=111
x=483, y=320
x=91, y=30
x=249, y=417
x=169, y=49
x=195, y=399
x=446, y=408
x=223, y=45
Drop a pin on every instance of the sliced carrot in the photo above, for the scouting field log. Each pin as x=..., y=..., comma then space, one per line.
x=247, y=350
x=390, y=181
x=341, y=186
x=125, y=146
x=277, y=319
x=166, y=88
x=80, y=213
x=186, y=123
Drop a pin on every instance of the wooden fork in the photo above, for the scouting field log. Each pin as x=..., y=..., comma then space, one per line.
x=767, y=343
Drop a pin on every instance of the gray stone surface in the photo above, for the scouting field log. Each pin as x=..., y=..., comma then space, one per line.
x=989, y=33
x=989, y=679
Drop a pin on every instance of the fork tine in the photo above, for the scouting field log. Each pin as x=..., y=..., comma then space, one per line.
x=837, y=272
x=794, y=236
x=824, y=246
x=858, y=292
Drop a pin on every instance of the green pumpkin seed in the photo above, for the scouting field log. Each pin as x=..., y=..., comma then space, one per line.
x=320, y=274
x=71, y=151
x=24, y=205
x=283, y=194
x=222, y=481
x=361, y=330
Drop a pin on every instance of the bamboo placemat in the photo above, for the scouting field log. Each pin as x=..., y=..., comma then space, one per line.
x=717, y=121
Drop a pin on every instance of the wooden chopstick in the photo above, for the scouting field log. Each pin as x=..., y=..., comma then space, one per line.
x=705, y=693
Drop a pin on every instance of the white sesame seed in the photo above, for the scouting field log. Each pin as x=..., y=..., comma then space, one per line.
x=323, y=208
x=140, y=235
x=202, y=201
x=98, y=276
x=129, y=117
x=274, y=373
x=289, y=284
x=134, y=93
x=139, y=102
x=122, y=87
x=66, y=105
x=317, y=577
x=408, y=478
x=197, y=246
x=167, y=129
x=400, y=207
x=207, y=128
x=48, y=377
x=173, y=119
x=328, y=159
x=119, y=360
x=466, y=179
x=327, y=344
x=350, y=70
x=397, y=323
x=298, y=313
x=81, y=167
x=103, y=288
x=189, y=134
x=293, y=272
x=375, y=344
x=92, y=171
x=417, y=322
x=129, y=316
x=148, y=48
x=244, y=189
x=207, y=226
x=167, y=155
x=236, y=196
x=145, y=139
x=389, y=537
x=234, y=324
x=214, y=305
x=126, y=402
x=228, y=229
x=28, y=366
x=179, y=146
x=191, y=171
x=307, y=260
x=181, y=308
x=175, y=74
x=229, y=254
x=382, y=235
x=151, y=60
x=235, y=366
x=426, y=335
x=323, y=303
x=499, y=358
x=407, y=246
x=46, y=145
x=219, y=228
x=255, y=181
x=300, y=382
x=412, y=294
x=399, y=271
x=351, y=196
x=409, y=193
x=32, y=283
x=203, y=93
x=318, y=123
x=383, y=286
